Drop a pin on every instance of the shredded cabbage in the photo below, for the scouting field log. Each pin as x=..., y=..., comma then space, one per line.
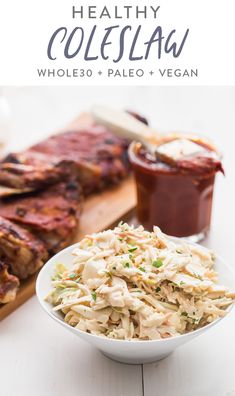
x=128, y=283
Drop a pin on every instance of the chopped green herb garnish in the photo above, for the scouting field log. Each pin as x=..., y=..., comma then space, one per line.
x=182, y=283
x=184, y=313
x=130, y=256
x=158, y=289
x=114, y=268
x=142, y=269
x=194, y=320
x=93, y=295
x=126, y=265
x=132, y=249
x=157, y=263
x=72, y=276
x=120, y=239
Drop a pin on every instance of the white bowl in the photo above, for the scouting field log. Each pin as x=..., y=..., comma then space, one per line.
x=132, y=352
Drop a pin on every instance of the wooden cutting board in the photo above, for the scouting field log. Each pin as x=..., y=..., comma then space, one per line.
x=100, y=211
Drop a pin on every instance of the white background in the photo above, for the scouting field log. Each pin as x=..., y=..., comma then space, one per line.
x=26, y=26
x=37, y=357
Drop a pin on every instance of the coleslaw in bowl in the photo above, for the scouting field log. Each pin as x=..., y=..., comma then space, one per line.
x=126, y=289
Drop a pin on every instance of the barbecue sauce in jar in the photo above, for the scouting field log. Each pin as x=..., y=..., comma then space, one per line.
x=175, y=188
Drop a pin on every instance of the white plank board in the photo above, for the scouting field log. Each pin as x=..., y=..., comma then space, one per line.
x=204, y=367
x=43, y=359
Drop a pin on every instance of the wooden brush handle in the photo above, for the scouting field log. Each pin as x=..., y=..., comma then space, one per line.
x=123, y=124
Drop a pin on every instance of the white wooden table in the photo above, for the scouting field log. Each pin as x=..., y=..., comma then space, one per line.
x=37, y=357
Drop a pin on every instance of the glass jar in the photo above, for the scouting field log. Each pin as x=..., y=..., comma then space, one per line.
x=180, y=203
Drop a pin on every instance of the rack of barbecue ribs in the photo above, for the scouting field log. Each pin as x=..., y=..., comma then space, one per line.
x=41, y=195
x=9, y=284
x=50, y=214
x=21, y=254
x=94, y=157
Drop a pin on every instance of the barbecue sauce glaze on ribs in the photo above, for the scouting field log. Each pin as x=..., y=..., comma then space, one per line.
x=22, y=251
x=94, y=157
x=9, y=284
x=51, y=214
